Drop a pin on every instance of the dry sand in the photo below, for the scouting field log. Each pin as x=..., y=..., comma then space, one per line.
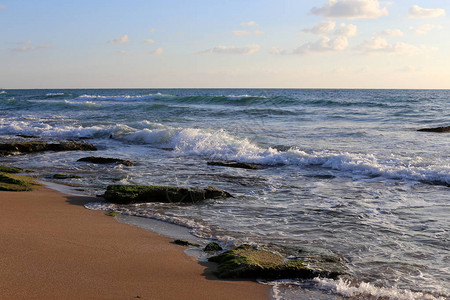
x=51, y=247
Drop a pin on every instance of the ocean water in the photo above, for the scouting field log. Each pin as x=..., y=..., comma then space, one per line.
x=346, y=170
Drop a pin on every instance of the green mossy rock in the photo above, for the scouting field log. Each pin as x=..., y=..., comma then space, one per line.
x=249, y=262
x=16, y=183
x=5, y=169
x=213, y=246
x=113, y=213
x=125, y=194
x=64, y=176
x=106, y=160
x=186, y=243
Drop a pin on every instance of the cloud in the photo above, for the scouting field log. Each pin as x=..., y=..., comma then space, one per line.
x=425, y=28
x=246, y=32
x=149, y=41
x=418, y=12
x=123, y=52
x=2, y=7
x=28, y=46
x=277, y=51
x=348, y=30
x=379, y=45
x=121, y=40
x=250, y=23
x=392, y=32
x=246, y=50
x=241, y=32
x=152, y=30
x=351, y=9
x=323, y=45
x=157, y=51
x=321, y=28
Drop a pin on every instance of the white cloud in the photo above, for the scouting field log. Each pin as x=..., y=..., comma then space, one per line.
x=323, y=45
x=157, y=51
x=250, y=23
x=351, y=9
x=152, y=30
x=277, y=51
x=28, y=46
x=246, y=32
x=392, y=32
x=348, y=30
x=419, y=12
x=121, y=40
x=241, y=32
x=123, y=52
x=2, y=7
x=321, y=28
x=379, y=45
x=246, y=50
x=425, y=28
x=149, y=41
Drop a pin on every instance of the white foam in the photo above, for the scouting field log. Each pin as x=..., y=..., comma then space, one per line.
x=366, y=290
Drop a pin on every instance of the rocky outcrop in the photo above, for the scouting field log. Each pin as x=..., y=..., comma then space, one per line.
x=248, y=261
x=235, y=164
x=436, y=129
x=24, y=147
x=106, y=160
x=15, y=183
x=125, y=194
x=212, y=247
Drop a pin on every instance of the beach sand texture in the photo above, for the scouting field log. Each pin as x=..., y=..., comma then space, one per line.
x=53, y=248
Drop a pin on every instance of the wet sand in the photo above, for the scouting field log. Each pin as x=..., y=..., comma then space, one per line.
x=53, y=248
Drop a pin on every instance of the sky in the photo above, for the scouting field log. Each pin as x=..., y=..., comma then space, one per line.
x=225, y=44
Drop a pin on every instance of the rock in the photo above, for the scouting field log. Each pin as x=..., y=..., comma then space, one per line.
x=125, y=194
x=436, y=129
x=235, y=164
x=213, y=246
x=16, y=183
x=186, y=243
x=65, y=176
x=5, y=169
x=106, y=160
x=113, y=213
x=250, y=262
x=23, y=147
x=28, y=136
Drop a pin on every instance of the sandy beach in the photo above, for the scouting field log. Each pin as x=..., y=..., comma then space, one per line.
x=53, y=248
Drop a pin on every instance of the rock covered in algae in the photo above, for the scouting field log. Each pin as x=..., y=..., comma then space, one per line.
x=125, y=194
x=213, y=246
x=65, y=176
x=436, y=129
x=15, y=183
x=250, y=262
x=186, y=243
x=106, y=160
x=6, y=169
x=235, y=164
x=24, y=147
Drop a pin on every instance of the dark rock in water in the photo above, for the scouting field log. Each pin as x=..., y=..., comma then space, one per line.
x=235, y=164
x=250, y=262
x=5, y=169
x=125, y=194
x=23, y=147
x=167, y=149
x=106, y=160
x=213, y=246
x=186, y=243
x=436, y=129
x=64, y=176
x=28, y=136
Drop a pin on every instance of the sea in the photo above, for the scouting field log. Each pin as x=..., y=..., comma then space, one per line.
x=344, y=169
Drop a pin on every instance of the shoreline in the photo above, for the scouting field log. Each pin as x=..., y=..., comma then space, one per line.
x=52, y=247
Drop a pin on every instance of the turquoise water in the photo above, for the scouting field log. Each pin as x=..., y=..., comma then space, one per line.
x=346, y=169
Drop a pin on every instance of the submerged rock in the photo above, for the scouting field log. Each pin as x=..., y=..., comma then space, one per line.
x=213, y=246
x=65, y=176
x=28, y=136
x=436, y=129
x=125, y=194
x=185, y=243
x=235, y=164
x=250, y=262
x=106, y=160
x=23, y=147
